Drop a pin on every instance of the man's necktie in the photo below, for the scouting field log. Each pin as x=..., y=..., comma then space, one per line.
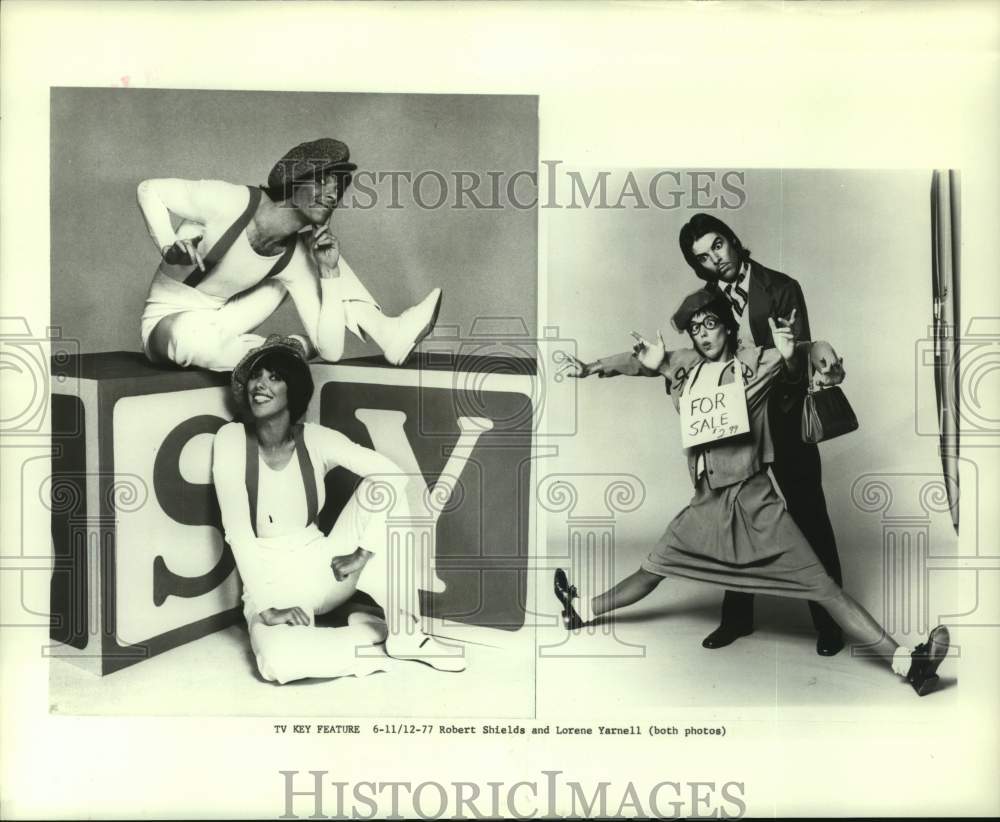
x=737, y=296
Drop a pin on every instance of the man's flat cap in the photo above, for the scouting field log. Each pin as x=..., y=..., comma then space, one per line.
x=307, y=161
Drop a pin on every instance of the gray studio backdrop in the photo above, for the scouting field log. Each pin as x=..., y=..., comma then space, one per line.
x=859, y=243
x=105, y=141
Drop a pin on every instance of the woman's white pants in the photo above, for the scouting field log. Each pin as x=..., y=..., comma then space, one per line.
x=284, y=652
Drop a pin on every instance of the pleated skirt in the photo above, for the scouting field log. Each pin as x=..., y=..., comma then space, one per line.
x=741, y=538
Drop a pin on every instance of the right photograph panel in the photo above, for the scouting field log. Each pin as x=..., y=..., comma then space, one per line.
x=754, y=499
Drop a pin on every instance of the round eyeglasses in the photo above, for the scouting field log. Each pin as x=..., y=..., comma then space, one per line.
x=710, y=323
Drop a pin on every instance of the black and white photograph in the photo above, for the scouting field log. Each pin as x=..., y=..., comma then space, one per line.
x=499, y=410
x=794, y=521
x=277, y=441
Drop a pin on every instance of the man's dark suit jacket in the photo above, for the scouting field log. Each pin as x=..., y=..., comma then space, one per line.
x=796, y=466
x=773, y=294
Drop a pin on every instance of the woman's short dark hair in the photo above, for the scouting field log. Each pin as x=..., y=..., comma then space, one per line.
x=298, y=380
x=696, y=228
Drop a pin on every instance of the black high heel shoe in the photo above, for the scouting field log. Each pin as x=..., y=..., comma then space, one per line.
x=926, y=658
x=565, y=593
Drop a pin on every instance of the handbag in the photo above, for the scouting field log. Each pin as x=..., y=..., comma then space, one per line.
x=826, y=413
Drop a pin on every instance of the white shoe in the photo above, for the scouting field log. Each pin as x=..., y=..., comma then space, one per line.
x=409, y=328
x=421, y=647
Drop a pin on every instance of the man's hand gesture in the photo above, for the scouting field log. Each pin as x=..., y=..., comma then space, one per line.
x=828, y=368
x=184, y=251
x=783, y=334
x=325, y=250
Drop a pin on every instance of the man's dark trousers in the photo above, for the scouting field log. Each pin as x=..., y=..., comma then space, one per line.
x=796, y=465
x=799, y=476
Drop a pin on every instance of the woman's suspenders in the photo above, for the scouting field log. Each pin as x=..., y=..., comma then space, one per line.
x=305, y=467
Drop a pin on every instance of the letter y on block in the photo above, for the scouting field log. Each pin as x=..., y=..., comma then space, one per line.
x=426, y=503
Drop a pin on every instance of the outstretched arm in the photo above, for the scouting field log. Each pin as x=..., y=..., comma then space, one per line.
x=645, y=360
x=337, y=449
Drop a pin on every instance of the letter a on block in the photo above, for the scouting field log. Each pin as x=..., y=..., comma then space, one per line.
x=389, y=438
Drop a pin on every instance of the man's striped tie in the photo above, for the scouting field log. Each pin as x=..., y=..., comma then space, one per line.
x=737, y=296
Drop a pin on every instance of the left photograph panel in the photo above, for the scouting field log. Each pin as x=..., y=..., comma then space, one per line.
x=293, y=395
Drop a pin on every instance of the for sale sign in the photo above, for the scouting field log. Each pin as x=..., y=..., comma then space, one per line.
x=711, y=410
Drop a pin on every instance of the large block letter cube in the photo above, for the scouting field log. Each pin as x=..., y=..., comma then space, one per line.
x=464, y=425
x=140, y=564
x=140, y=561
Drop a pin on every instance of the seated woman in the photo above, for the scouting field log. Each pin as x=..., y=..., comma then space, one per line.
x=239, y=251
x=736, y=533
x=268, y=474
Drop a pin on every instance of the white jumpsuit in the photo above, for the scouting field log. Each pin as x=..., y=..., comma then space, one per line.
x=285, y=563
x=217, y=317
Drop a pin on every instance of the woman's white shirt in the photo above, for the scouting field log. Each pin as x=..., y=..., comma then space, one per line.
x=281, y=499
x=264, y=561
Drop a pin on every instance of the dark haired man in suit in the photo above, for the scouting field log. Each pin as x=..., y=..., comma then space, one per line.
x=757, y=293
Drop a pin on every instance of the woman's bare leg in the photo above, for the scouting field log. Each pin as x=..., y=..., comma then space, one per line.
x=630, y=590
x=860, y=624
x=918, y=665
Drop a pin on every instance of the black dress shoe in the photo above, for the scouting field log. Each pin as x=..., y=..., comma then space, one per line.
x=926, y=658
x=725, y=635
x=829, y=644
x=565, y=593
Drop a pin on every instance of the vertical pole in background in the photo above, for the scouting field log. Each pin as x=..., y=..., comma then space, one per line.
x=945, y=257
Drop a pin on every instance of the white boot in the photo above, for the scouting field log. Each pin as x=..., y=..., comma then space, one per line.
x=425, y=648
x=397, y=336
x=416, y=646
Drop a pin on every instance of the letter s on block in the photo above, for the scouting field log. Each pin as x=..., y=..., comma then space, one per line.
x=189, y=504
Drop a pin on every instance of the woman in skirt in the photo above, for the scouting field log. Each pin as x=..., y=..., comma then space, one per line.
x=268, y=473
x=735, y=533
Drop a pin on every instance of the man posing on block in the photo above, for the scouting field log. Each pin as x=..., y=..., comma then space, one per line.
x=757, y=293
x=238, y=251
